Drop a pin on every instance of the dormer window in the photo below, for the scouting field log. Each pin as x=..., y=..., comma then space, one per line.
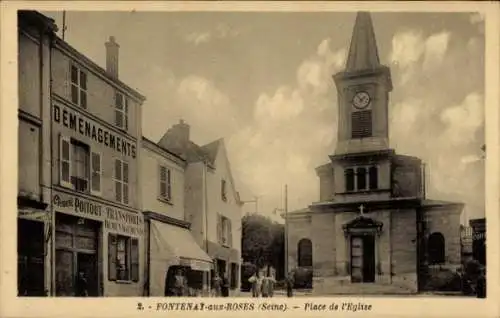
x=121, y=111
x=361, y=178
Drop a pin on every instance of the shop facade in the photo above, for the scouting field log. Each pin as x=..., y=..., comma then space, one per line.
x=97, y=225
x=171, y=249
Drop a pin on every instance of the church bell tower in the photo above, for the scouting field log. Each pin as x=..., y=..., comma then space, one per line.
x=363, y=94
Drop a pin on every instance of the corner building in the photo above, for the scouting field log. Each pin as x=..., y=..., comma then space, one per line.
x=95, y=201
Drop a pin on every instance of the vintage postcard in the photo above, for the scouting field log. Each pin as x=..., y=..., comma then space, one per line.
x=319, y=158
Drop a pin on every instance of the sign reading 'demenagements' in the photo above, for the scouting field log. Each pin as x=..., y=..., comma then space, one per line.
x=70, y=119
x=115, y=220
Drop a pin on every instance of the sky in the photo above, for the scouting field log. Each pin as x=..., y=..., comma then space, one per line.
x=263, y=82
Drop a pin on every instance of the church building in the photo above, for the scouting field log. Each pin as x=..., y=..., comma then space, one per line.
x=373, y=230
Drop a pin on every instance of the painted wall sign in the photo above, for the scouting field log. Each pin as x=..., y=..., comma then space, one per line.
x=85, y=127
x=114, y=219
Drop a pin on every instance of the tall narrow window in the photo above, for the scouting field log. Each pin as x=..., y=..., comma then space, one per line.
x=96, y=173
x=223, y=190
x=349, y=179
x=121, y=181
x=373, y=178
x=78, y=87
x=361, y=178
x=361, y=124
x=121, y=111
x=80, y=166
x=165, y=185
x=65, y=162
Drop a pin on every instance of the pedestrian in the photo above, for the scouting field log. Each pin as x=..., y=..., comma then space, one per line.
x=216, y=285
x=272, y=282
x=481, y=284
x=180, y=284
x=225, y=286
x=81, y=285
x=254, y=280
x=289, y=284
x=264, y=287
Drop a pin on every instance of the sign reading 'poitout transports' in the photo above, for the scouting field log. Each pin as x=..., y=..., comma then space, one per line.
x=114, y=219
x=70, y=119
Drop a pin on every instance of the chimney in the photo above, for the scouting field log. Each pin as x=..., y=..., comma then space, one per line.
x=112, y=49
x=182, y=132
x=176, y=139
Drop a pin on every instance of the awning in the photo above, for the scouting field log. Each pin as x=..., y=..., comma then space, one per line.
x=170, y=241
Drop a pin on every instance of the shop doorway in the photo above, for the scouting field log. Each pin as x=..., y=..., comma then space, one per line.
x=30, y=258
x=77, y=256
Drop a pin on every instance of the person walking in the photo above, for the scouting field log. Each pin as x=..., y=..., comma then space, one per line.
x=289, y=284
x=216, y=285
x=225, y=286
x=272, y=282
x=264, y=287
x=254, y=280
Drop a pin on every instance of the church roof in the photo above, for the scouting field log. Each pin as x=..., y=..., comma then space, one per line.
x=363, y=52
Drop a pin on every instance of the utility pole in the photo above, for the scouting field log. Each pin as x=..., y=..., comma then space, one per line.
x=286, y=229
x=64, y=24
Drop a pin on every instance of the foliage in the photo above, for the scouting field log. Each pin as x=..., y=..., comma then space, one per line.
x=262, y=242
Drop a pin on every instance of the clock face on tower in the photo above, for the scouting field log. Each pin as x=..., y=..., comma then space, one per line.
x=361, y=100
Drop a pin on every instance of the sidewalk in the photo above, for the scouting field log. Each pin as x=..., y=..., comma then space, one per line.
x=280, y=293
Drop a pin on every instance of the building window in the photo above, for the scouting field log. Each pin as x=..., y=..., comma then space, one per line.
x=361, y=178
x=349, y=179
x=78, y=87
x=80, y=168
x=121, y=111
x=224, y=231
x=373, y=178
x=223, y=190
x=361, y=122
x=123, y=262
x=436, y=248
x=234, y=276
x=121, y=181
x=304, y=252
x=165, y=183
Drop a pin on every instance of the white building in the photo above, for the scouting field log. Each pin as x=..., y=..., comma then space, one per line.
x=212, y=204
x=168, y=240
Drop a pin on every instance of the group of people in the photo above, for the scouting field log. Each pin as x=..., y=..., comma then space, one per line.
x=263, y=285
x=220, y=286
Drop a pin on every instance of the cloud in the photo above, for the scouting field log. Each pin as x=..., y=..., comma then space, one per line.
x=292, y=132
x=198, y=37
x=220, y=31
x=435, y=50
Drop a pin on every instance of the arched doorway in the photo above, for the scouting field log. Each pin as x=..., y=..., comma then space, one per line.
x=304, y=253
x=436, y=248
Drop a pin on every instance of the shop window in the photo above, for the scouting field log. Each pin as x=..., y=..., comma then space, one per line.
x=78, y=87
x=121, y=181
x=165, y=184
x=123, y=258
x=234, y=275
x=80, y=168
x=121, y=111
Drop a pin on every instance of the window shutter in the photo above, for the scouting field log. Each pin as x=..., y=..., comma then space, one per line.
x=134, y=260
x=163, y=183
x=112, y=256
x=65, y=162
x=361, y=124
x=230, y=233
x=169, y=185
x=125, y=113
x=96, y=171
x=118, y=180
x=125, y=182
x=219, y=228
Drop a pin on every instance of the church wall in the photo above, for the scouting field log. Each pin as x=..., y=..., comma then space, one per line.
x=326, y=182
x=298, y=229
x=447, y=222
x=324, y=238
x=404, y=248
x=407, y=176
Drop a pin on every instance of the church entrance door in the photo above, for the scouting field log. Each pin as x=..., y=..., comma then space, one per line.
x=363, y=259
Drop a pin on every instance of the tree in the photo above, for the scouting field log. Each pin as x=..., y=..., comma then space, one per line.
x=262, y=241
